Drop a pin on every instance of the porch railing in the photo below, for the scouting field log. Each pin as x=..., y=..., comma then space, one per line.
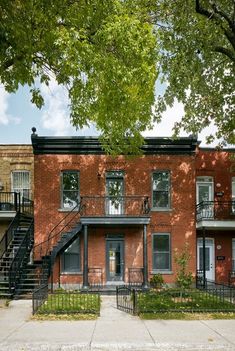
x=9, y=234
x=135, y=276
x=215, y=210
x=115, y=206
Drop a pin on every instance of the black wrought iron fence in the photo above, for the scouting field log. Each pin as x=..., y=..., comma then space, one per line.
x=39, y=296
x=219, y=299
x=65, y=302
x=126, y=299
x=95, y=277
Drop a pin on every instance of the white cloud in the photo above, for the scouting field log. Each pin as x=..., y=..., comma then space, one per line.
x=55, y=114
x=5, y=117
x=169, y=117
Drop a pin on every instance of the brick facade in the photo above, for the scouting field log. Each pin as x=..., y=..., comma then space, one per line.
x=179, y=220
x=220, y=166
x=14, y=158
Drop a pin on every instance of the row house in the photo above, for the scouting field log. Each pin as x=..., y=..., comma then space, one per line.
x=101, y=221
x=125, y=217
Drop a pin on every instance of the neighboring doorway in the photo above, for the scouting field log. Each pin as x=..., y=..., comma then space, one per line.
x=209, y=256
x=114, y=260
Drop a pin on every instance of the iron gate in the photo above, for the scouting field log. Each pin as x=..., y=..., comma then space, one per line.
x=126, y=299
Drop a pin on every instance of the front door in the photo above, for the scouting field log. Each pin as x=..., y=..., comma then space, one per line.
x=209, y=256
x=115, y=260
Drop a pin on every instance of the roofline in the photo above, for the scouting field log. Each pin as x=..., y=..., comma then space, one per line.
x=91, y=145
x=229, y=149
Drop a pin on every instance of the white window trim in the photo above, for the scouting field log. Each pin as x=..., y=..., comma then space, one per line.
x=29, y=185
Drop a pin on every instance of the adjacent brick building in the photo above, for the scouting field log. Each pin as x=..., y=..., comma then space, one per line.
x=16, y=175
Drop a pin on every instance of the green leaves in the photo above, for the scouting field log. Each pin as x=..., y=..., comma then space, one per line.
x=195, y=64
x=103, y=52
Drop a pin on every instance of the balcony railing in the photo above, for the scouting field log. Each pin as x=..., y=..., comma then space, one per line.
x=215, y=210
x=95, y=206
x=12, y=201
x=9, y=201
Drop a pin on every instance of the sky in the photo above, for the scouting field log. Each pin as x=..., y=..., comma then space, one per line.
x=18, y=115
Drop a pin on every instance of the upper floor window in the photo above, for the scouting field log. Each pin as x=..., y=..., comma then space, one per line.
x=20, y=181
x=69, y=189
x=114, y=192
x=161, y=190
x=205, y=189
x=161, y=252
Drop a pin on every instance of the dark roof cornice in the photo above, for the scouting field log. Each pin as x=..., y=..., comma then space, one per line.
x=91, y=145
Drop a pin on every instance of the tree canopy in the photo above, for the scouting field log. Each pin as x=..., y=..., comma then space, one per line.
x=109, y=54
x=197, y=60
x=103, y=51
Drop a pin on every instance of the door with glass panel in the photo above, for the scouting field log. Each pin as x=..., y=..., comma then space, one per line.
x=209, y=257
x=205, y=197
x=114, y=260
x=114, y=193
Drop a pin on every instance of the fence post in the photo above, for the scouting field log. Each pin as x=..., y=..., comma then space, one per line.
x=134, y=302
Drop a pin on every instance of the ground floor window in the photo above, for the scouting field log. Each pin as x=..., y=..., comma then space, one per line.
x=71, y=261
x=161, y=252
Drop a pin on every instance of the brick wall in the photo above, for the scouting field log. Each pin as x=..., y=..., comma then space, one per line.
x=179, y=221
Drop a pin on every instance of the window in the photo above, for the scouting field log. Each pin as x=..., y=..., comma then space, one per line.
x=205, y=189
x=161, y=190
x=233, y=195
x=233, y=254
x=21, y=183
x=161, y=252
x=71, y=258
x=70, y=189
x=114, y=193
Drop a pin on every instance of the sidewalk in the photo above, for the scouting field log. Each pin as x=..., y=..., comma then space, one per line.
x=113, y=330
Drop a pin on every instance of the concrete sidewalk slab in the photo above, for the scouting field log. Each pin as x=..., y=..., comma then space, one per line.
x=113, y=330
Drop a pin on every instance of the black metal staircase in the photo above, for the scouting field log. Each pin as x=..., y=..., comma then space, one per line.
x=15, y=249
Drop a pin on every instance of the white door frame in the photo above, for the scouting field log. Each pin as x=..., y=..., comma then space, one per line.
x=210, y=243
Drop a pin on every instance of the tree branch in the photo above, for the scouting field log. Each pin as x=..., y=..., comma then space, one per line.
x=230, y=54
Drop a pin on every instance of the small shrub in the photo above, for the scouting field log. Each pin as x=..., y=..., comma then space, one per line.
x=184, y=278
x=157, y=281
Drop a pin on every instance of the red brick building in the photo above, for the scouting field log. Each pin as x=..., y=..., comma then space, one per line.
x=132, y=214
x=215, y=192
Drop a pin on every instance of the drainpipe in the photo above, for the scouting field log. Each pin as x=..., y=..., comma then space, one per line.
x=204, y=256
x=85, y=258
x=145, y=258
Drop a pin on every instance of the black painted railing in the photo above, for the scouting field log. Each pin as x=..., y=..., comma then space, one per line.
x=20, y=259
x=215, y=210
x=9, y=234
x=115, y=206
x=9, y=201
x=135, y=276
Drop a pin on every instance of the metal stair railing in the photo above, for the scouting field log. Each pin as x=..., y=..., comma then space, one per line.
x=43, y=248
x=41, y=292
x=9, y=234
x=19, y=259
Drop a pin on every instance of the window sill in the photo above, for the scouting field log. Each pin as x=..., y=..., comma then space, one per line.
x=161, y=272
x=161, y=209
x=71, y=273
x=66, y=210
